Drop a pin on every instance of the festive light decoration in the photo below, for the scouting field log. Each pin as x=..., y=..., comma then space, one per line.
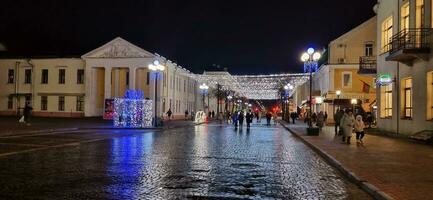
x=260, y=87
x=132, y=111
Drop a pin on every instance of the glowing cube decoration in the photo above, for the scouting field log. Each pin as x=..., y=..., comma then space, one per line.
x=132, y=111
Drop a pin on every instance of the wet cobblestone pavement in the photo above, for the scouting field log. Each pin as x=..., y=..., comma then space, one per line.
x=201, y=162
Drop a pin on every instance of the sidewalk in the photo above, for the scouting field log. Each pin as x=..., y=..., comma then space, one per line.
x=10, y=126
x=400, y=168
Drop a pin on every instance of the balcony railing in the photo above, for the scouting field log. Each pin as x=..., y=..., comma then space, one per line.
x=408, y=43
x=367, y=65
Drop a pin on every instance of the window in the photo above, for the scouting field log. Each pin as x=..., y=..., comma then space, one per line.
x=386, y=33
x=44, y=102
x=80, y=76
x=404, y=15
x=10, y=102
x=28, y=76
x=80, y=103
x=44, y=78
x=346, y=79
x=420, y=14
x=406, y=85
x=369, y=49
x=61, y=103
x=11, y=76
x=28, y=100
x=62, y=74
x=147, y=78
x=386, y=101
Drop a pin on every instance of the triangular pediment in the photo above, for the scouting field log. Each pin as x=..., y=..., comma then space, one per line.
x=118, y=48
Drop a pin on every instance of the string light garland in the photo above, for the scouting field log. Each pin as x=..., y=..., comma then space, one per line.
x=260, y=87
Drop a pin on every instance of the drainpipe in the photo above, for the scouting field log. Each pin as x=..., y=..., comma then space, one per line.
x=397, y=85
x=16, y=75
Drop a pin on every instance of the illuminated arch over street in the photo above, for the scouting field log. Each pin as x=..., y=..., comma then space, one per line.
x=258, y=87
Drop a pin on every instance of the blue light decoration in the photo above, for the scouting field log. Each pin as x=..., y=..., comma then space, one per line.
x=313, y=65
x=132, y=111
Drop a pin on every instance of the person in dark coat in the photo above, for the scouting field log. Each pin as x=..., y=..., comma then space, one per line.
x=27, y=112
x=337, y=118
x=169, y=113
x=249, y=117
x=213, y=114
x=268, y=118
x=293, y=115
x=241, y=119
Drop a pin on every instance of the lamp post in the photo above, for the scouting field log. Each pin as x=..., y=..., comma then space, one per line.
x=338, y=93
x=156, y=67
x=310, y=59
x=229, y=99
x=204, y=88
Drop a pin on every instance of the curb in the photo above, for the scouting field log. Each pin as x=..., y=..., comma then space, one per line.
x=372, y=190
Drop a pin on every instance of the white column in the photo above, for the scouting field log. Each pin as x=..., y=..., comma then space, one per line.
x=132, y=71
x=107, y=85
x=116, y=83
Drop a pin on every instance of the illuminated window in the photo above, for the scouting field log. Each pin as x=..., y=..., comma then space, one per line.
x=386, y=33
x=420, y=14
x=386, y=101
x=406, y=86
x=404, y=15
x=430, y=95
x=346, y=79
x=369, y=49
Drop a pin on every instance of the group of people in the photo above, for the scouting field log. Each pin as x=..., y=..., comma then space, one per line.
x=346, y=123
x=318, y=118
x=238, y=118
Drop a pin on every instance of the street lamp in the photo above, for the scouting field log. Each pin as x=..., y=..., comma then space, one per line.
x=338, y=93
x=204, y=88
x=156, y=67
x=310, y=59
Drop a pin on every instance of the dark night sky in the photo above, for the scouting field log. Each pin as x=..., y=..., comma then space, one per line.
x=248, y=37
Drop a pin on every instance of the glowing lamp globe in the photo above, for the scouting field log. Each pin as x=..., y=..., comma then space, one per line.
x=286, y=87
x=310, y=51
x=305, y=57
x=160, y=67
x=316, y=56
x=156, y=62
x=290, y=87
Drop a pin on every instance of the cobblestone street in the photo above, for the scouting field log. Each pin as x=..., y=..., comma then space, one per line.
x=198, y=162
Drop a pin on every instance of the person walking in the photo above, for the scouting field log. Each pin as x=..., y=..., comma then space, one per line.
x=268, y=118
x=249, y=117
x=27, y=113
x=346, y=124
x=235, y=119
x=169, y=113
x=337, y=118
x=326, y=118
x=320, y=120
x=359, y=129
x=293, y=116
x=186, y=114
x=241, y=119
x=213, y=114
x=314, y=117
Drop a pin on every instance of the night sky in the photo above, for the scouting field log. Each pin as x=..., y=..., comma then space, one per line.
x=248, y=37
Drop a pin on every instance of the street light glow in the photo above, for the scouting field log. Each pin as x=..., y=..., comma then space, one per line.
x=354, y=101
x=316, y=56
x=310, y=51
x=338, y=92
x=305, y=57
x=291, y=87
x=286, y=87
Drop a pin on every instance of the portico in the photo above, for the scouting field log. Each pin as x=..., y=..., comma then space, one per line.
x=112, y=69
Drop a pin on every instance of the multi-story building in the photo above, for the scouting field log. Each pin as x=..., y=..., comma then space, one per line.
x=78, y=86
x=404, y=64
x=350, y=69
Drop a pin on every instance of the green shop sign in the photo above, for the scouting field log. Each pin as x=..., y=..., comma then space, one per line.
x=384, y=79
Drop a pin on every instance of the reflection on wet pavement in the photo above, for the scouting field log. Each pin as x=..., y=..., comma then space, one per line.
x=202, y=162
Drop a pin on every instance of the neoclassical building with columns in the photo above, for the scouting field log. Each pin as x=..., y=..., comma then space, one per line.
x=78, y=86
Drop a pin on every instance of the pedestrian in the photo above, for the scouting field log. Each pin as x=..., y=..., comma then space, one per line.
x=27, y=113
x=186, y=114
x=293, y=115
x=192, y=115
x=249, y=117
x=268, y=118
x=213, y=114
x=314, y=117
x=359, y=129
x=326, y=118
x=169, y=113
x=320, y=120
x=337, y=118
x=241, y=119
x=274, y=117
x=346, y=124
x=369, y=119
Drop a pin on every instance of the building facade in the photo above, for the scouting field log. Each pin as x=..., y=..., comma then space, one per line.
x=78, y=86
x=350, y=69
x=405, y=67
